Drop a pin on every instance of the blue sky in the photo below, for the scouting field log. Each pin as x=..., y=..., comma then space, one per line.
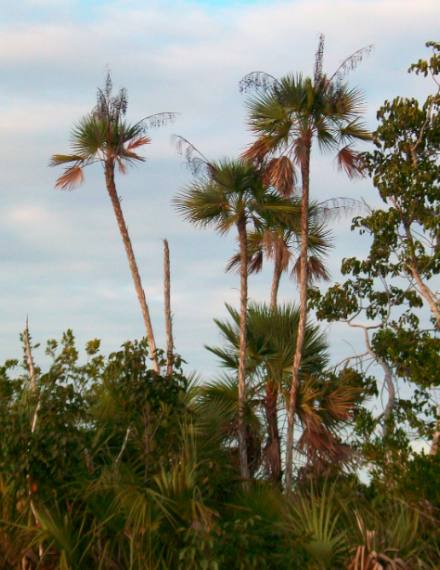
x=61, y=256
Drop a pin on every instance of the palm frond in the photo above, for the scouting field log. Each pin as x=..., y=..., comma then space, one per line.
x=71, y=177
x=281, y=174
x=257, y=80
x=194, y=158
x=351, y=62
x=349, y=160
x=58, y=159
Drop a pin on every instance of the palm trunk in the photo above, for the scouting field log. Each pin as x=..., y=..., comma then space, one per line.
x=273, y=447
x=242, y=440
x=111, y=188
x=303, y=280
x=167, y=296
x=276, y=278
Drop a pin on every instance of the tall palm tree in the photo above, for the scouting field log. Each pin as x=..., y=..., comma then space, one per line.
x=287, y=116
x=104, y=136
x=227, y=194
x=278, y=240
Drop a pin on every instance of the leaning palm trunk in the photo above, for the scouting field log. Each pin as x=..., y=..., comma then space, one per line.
x=291, y=407
x=276, y=278
x=273, y=447
x=242, y=439
x=111, y=188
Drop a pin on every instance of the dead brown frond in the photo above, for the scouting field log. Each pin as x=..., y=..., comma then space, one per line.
x=349, y=161
x=316, y=270
x=72, y=177
x=258, y=150
x=280, y=174
x=137, y=142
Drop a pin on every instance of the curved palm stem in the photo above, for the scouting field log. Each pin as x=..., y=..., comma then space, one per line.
x=109, y=169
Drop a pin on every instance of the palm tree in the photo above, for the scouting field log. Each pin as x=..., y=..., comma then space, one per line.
x=325, y=401
x=231, y=193
x=278, y=240
x=104, y=136
x=287, y=116
x=270, y=348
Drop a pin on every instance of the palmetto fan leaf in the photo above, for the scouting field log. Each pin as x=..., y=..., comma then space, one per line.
x=278, y=238
x=271, y=335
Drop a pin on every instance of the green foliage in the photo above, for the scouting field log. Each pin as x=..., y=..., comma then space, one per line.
x=390, y=294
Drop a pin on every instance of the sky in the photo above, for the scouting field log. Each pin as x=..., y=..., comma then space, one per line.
x=61, y=256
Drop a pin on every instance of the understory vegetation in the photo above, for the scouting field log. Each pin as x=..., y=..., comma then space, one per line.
x=285, y=460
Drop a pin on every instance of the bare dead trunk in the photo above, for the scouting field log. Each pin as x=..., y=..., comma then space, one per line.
x=167, y=304
x=244, y=467
x=29, y=358
x=435, y=444
x=273, y=447
x=33, y=383
x=111, y=188
x=277, y=272
x=303, y=280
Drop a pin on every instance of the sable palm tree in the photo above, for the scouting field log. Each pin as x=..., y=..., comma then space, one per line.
x=231, y=193
x=287, y=116
x=325, y=401
x=278, y=240
x=104, y=136
x=270, y=348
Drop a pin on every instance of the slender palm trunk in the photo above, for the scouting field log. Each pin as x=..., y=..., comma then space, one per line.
x=273, y=447
x=291, y=409
x=111, y=188
x=276, y=278
x=242, y=439
x=167, y=304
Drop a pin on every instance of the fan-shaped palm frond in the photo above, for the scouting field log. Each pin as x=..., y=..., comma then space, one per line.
x=271, y=341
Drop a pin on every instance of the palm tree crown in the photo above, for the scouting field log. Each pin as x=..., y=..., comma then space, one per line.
x=298, y=109
x=229, y=192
